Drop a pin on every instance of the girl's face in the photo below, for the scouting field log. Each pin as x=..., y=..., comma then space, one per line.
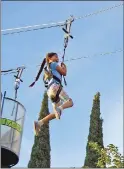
x=54, y=58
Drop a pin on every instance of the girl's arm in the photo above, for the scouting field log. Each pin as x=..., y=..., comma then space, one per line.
x=62, y=69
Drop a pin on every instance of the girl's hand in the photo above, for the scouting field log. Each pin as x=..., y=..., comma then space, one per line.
x=63, y=65
x=62, y=70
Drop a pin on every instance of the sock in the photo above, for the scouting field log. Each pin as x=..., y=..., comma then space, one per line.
x=40, y=122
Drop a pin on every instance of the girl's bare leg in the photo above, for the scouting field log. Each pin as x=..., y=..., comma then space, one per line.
x=67, y=101
x=67, y=104
x=46, y=119
x=51, y=116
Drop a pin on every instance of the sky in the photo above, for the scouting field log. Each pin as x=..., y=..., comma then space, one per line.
x=93, y=35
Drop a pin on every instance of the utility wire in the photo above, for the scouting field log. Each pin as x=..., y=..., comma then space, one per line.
x=72, y=59
x=55, y=24
x=9, y=72
x=101, y=54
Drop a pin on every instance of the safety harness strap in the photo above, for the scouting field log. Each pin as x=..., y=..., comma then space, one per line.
x=67, y=30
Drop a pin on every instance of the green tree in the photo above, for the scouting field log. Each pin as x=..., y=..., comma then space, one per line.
x=40, y=155
x=95, y=134
x=109, y=156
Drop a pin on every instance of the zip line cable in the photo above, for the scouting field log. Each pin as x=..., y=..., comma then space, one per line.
x=33, y=29
x=69, y=60
x=55, y=24
x=45, y=26
x=99, y=11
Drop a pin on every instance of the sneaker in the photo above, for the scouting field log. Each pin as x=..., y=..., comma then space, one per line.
x=36, y=128
x=58, y=113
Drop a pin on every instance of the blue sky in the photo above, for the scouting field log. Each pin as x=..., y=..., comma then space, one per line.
x=96, y=34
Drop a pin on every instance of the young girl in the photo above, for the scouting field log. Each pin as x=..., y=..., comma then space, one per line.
x=60, y=100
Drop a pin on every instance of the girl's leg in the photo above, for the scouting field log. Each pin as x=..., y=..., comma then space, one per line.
x=45, y=120
x=66, y=103
x=50, y=116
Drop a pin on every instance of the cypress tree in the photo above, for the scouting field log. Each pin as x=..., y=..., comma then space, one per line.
x=40, y=155
x=95, y=133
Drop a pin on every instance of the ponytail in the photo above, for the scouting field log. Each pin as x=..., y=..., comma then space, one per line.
x=45, y=61
x=40, y=71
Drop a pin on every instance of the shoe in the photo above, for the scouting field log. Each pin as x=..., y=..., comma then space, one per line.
x=58, y=113
x=36, y=128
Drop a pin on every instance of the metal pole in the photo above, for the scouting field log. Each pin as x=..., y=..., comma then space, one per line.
x=13, y=130
x=3, y=103
x=17, y=83
x=1, y=97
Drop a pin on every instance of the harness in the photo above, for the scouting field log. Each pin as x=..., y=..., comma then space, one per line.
x=67, y=30
x=48, y=73
x=48, y=76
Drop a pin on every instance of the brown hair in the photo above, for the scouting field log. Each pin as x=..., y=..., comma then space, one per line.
x=45, y=61
x=48, y=56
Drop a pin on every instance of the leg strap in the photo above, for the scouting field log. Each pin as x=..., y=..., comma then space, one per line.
x=57, y=99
